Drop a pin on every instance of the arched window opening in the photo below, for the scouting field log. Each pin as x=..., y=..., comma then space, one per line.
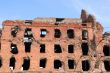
x=57, y=64
x=85, y=65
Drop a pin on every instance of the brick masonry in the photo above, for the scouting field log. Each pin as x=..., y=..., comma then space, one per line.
x=21, y=42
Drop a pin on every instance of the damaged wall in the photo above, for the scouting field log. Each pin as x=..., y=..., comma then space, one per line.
x=53, y=45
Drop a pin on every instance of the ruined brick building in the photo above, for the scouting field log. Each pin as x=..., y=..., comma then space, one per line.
x=55, y=45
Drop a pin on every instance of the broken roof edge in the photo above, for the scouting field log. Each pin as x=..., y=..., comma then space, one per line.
x=63, y=20
x=47, y=20
x=54, y=18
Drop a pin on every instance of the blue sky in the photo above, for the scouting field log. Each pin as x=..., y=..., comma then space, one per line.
x=30, y=9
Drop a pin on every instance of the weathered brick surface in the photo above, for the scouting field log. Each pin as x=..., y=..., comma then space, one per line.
x=94, y=39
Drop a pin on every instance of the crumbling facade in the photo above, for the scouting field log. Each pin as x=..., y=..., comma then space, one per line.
x=54, y=45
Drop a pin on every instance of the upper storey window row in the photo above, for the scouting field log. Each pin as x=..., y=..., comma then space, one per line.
x=43, y=33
